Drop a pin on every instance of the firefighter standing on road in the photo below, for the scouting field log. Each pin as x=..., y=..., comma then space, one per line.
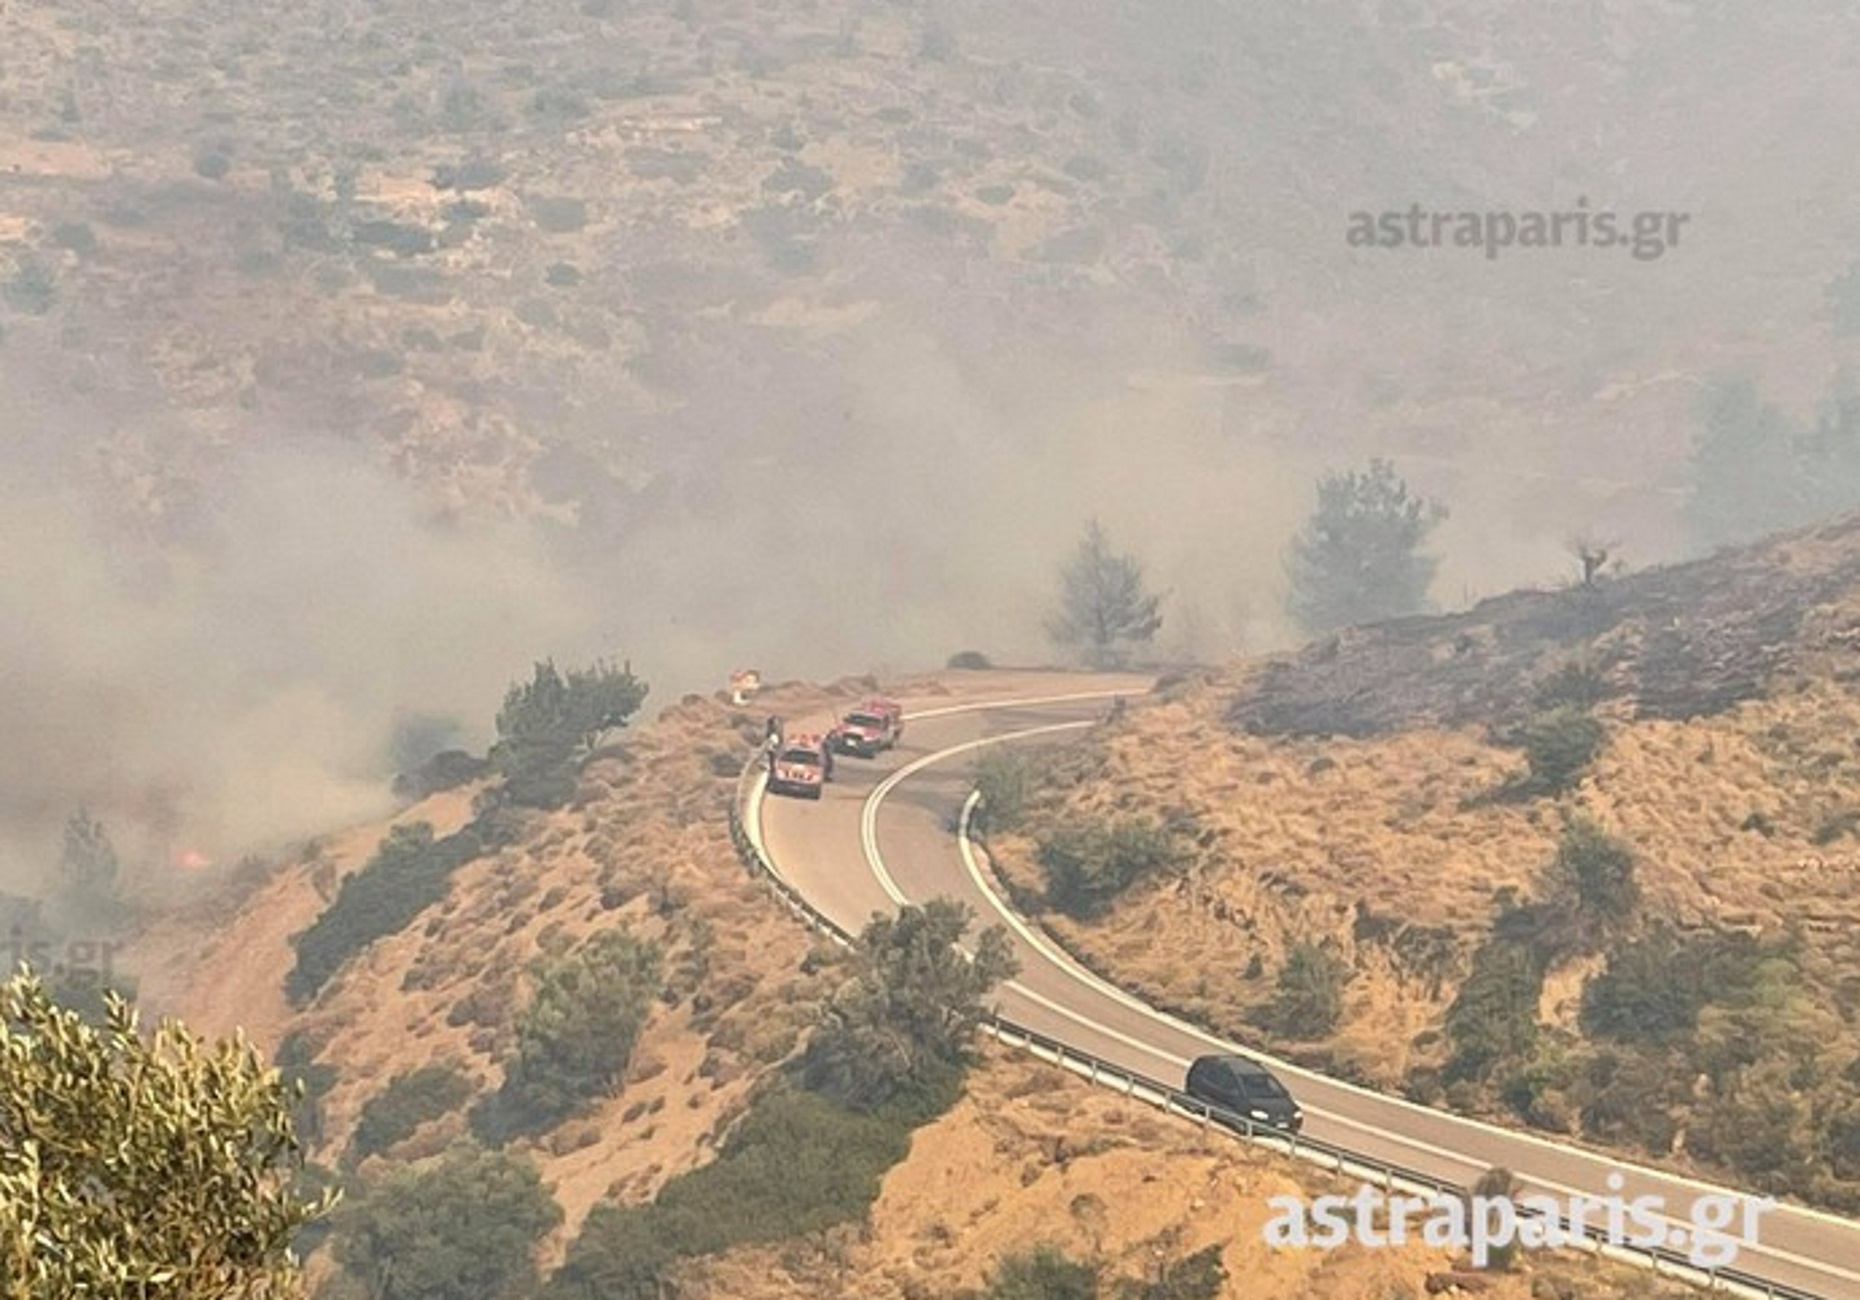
x=771, y=742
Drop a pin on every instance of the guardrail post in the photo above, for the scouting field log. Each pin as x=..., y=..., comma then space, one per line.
x=1094, y=1070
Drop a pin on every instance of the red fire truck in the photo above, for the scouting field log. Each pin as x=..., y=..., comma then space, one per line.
x=868, y=730
x=801, y=767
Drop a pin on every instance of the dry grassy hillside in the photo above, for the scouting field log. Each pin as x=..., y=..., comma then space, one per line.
x=1035, y=1155
x=1029, y=1155
x=645, y=846
x=1362, y=799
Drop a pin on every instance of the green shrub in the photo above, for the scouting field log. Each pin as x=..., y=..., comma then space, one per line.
x=1592, y=875
x=211, y=163
x=1047, y=1273
x=397, y=237
x=1308, y=1001
x=1088, y=865
x=1537, y=1090
x=1578, y=685
x=465, y=108
x=549, y=722
x=1836, y=826
x=969, y=661
x=559, y=216
x=1630, y=1096
x=379, y=363
x=465, y=1225
x=462, y=212
x=1653, y=989
x=1005, y=779
x=75, y=236
x=576, y=1036
x=410, y=1100
x=797, y=1164
x=559, y=105
x=1844, y=1145
x=407, y=874
x=1493, y=1020
x=899, y=1026
x=416, y=284
x=1559, y=744
x=1200, y=1276
x=1043, y=1273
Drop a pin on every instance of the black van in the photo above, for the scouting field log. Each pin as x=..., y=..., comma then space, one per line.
x=1241, y=1090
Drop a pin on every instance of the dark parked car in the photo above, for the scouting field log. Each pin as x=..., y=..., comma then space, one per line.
x=1241, y=1090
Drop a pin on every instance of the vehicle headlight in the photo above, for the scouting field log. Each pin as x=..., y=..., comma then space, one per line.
x=1258, y=1114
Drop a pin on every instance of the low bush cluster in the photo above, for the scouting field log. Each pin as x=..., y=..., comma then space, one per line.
x=1088, y=864
x=577, y=1035
x=410, y=1100
x=1308, y=1000
x=407, y=874
x=888, y=1056
x=1047, y=1273
x=797, y=1163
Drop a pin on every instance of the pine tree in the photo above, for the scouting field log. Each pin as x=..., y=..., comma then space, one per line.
x=1105, y=609
x=1358, y=559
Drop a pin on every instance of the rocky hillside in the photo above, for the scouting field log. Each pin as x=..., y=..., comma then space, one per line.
x=1580, y=859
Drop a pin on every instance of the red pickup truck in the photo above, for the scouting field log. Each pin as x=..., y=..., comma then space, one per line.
x=868, y=730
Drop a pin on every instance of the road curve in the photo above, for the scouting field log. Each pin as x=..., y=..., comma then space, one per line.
x=885, y=833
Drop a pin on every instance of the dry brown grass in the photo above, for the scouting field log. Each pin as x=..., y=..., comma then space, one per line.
x=1030, y=1154
x=1033, y=1154
x=644, y=844
x=1361, y=842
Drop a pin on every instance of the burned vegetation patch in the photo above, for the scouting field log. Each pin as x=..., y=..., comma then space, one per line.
x=1686, y=641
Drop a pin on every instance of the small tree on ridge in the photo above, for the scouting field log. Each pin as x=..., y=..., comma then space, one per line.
x=1104, y=606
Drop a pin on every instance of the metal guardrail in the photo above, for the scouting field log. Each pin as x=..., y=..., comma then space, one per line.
x=1170, y=1100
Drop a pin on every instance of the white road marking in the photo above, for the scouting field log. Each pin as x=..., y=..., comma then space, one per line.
x=869, y=840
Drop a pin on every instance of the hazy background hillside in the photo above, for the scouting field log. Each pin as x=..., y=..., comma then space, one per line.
x=354, y=355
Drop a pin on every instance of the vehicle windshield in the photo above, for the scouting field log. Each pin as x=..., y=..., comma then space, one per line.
x=805, y=757
x=864, y=720
x=1264, y=1085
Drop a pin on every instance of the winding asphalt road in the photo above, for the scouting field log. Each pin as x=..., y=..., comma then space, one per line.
x=886, y=832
